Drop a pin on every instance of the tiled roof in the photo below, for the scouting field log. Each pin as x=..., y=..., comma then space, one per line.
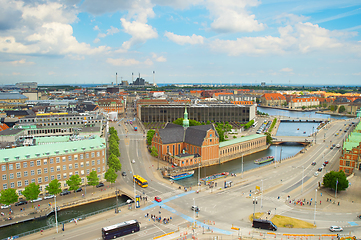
x=4, y=96
x=274, y=96
x=3, y=126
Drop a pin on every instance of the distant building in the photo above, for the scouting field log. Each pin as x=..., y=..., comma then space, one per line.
x=273, y=100
x=27, y=85
x=12, y=97
x=112, y=105
x=300, y=102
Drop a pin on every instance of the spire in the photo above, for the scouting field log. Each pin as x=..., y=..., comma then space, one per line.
x=185, y=120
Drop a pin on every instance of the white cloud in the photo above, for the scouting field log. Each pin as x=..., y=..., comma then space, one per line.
x=158, y=58
x=101, y=35
x=181, y=40
x=140, y=32
x=302, y=37
x=286, y=70
x=112, y=30
x=16, y=73
x=96, y=40
x=51, y=73
x=290, y=18
x=232, y=16
x=96, y=28
x=127, y=62
x=21, y=61
x=357, y=74
x=179, y=4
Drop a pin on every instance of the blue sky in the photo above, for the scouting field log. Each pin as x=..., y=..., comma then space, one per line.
x=183, y=41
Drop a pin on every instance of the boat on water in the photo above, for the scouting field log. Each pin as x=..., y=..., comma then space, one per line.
x=264, y=160
x=304, y=132
x=298, y=129
x=214, y=177
x=182, y=175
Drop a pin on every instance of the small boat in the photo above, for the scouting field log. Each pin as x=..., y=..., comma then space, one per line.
x=304, y=132
x=298, y=129
x=182, y=175
x=264, y=160
x=214, y=177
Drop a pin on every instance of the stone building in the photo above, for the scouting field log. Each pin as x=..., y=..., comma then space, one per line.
x=273, y=100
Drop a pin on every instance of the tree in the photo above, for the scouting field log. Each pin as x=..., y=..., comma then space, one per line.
x=113, y=162
x=332, y=178
x=341, y=109
x=178, y=121
x=31, y=191
x=303, y=107
x=8, y=196
x=114, y=148
x=154, y=152
x=114, y=137
x=92, y=178
x=74, y=182
x=110, y=175
x=268, y=137
x=54, y=187
x=150, y=135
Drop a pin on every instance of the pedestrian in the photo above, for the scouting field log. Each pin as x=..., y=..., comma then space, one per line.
x=41, y=231
x=159, y=212
x=327, y=199
x=321, y=194
x=320, y=202
x=338, y=203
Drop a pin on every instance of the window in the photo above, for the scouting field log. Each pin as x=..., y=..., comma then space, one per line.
x=64, y=167
x=347, y=163
x=40, y=180
x=87, y=171
x=87, y=163
x=93, y=169
x=98, y=169
x=25, y=173
x=51, y=160
x=38, y=162
x=64, y=175
x=98, y=162
x=93, y=162
x=57, y=160
x=70, y=166
x=39, y=171
x=45, y=161
x=98, y=154
x=33, y=180
x=81, y=164
x=45, y=170
x=4, y=176
x=11, y=176
x=87, y=155
x=81, y=156
x=19, y=183
x=93, y=154
x=32, y=172
x=5, y=186
x=26, y=182
x=18, y=174
x=11, y=167
x=25, y=165
x=70, y=174
x=76, y=173
x=46, y=179
x=32, y=164
x=12, y=185
x=103, y=160
x=18, y=166
x=58, y=168
x=58, y=177
x=64, y=159
x=52, y=177
x=3, y=168
x=75, y=157
x=75, y=165
x=69, y=158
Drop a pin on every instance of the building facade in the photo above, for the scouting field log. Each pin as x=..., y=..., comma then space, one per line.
x=273, y=100
x=300, y=102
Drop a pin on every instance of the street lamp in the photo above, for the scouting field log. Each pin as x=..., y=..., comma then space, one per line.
x=254, y=205
x=56, y=216
x=275, y=157
x=303, y=173
x=199, y=175
x=314, y=215
x=242, y=165
x=262, y=194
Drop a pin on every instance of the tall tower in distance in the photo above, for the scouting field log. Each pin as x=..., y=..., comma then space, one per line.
x=153, y=78
x=116, y=79
x=185, y=120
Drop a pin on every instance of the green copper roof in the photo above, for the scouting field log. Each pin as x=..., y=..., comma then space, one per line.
x=52, y=146
x=239, y=140
x=354, y=139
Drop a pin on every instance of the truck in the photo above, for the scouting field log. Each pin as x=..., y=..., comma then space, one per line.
x=135, y=128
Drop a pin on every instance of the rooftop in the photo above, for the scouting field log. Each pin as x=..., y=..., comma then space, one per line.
x=239, y=140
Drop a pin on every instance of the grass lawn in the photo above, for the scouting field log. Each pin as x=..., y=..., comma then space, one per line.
x=256, y=215
x=288, y=222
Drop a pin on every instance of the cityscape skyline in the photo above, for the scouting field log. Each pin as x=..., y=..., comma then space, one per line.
x=216, y=42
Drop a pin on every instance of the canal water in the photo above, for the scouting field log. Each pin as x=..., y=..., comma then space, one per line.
x=235, y=166
x=297, y=128
x=296, y=114
x=65, y=215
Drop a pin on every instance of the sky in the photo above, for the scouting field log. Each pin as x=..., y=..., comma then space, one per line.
x=181, y=41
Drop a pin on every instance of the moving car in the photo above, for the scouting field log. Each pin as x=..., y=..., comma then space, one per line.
x=336, y=229
x=313, y=163
x=22, y=202
x=157, y=199
x=65, y=192
x=100, y=185
x=195, y=208
x=48, y=196
x=316, y=174
x=326, y=162
x=264, y=224
x=319, y=169
x=124, y=174
x=37, y=200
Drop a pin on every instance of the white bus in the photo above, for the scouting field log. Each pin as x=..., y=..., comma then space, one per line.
x=254, y=124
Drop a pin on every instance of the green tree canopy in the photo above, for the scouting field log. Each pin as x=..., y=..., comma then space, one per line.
x=249, y=124
x=150, y=135
x=268, y=137
x=114, y=137
x=179, y=121
x=110, y=175
x=114, y=148
x=31, y=191
x=332, y=178
x=341, y=109
x=8, y=196
x=113, y=162
x=74, y=182
x=113, y=131
x=92, y=178
x=54, y=187
x=154, y=152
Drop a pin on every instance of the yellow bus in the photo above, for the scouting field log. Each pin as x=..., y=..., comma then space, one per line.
x=140, y=181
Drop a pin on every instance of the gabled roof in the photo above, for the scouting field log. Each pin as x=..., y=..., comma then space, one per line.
x=274, y=96
x=3, y=126
x=171, y=133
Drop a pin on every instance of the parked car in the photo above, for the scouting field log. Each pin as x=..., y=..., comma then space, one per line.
x=22, y=202
x=79, y=190
x=49, y=196
x=5, y=206
x=264, y=224
x=100, y=185
x=338, y=146
x=65, y=192
x=336, y=229
x=157, y=199
x=37, y=200
x=124, y=174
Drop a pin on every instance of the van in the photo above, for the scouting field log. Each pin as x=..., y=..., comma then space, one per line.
x=264, y=224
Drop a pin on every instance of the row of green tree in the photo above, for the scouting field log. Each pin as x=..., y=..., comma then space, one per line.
x=114, y=164
x=32, y=191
